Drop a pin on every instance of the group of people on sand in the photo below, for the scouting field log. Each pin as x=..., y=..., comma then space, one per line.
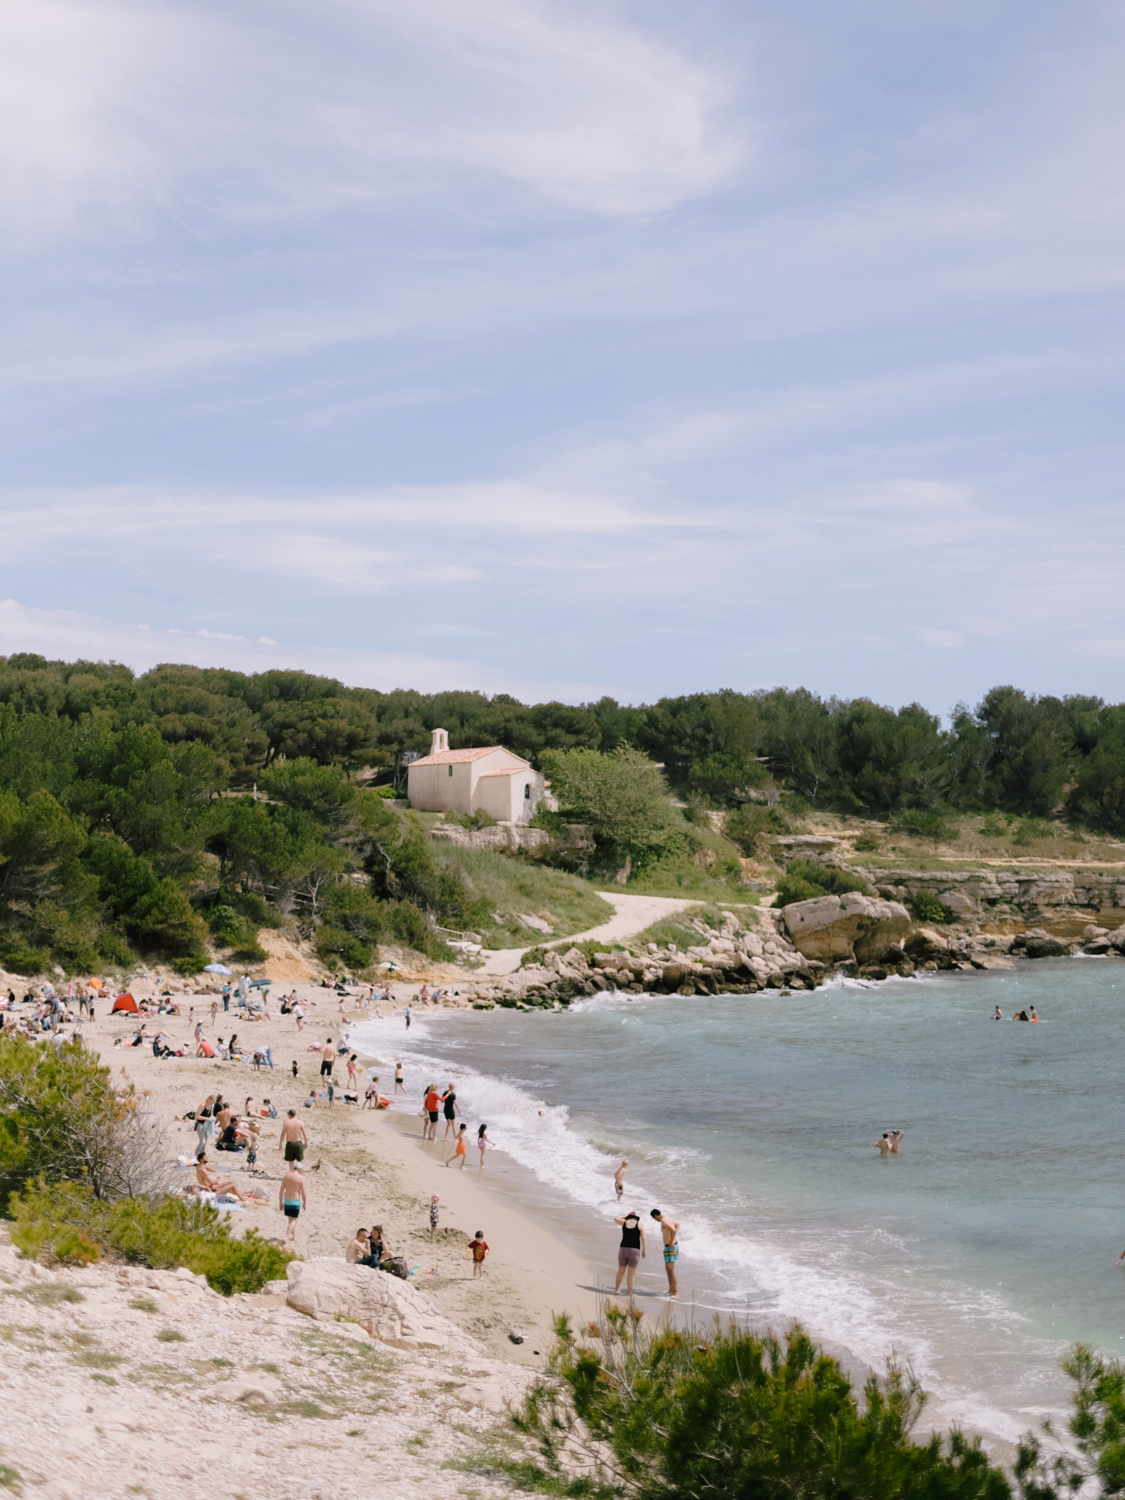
x=634, y=1247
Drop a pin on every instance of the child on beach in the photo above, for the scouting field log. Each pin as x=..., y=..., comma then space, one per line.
x=434, y=1201
x=478, y=1249
x=459, y=1148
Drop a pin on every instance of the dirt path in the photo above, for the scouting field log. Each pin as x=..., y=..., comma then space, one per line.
x=634, y=913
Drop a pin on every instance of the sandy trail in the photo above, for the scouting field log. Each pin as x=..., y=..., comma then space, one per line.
x=633, y=914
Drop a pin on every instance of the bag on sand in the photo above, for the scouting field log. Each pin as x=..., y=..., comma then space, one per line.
x=394, y=1265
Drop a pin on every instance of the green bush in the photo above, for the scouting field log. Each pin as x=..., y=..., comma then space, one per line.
x=336, y=947
x=926, y=907
x=805, y=879
x=867, y=843
x=665, y=1414
x=934, y=826
x=67, y=1222
x=751, y=827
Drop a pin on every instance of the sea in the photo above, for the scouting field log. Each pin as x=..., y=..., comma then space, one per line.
x=977, y=1255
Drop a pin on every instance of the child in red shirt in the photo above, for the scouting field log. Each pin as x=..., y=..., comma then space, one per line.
x=478, y=1249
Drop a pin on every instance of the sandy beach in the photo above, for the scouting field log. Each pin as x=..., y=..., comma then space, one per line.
x=363, y=1167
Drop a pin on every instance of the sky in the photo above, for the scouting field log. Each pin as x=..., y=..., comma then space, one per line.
x=563, y=348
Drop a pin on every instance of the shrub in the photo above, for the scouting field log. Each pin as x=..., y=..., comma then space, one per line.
x=673, y=1415
x=867, y=843
x=751, y=827
x=805, y=879
x=926, y=825
x=57, y=1219
x=926, y=907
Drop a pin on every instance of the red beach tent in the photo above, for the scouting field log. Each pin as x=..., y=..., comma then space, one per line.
x=125, y=1002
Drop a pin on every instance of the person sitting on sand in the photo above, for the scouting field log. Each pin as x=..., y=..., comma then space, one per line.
x=358, y=1252
x=210, y=1181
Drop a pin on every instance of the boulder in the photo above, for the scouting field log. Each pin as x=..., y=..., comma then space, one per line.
x=390, y=1310
x=1036, y=943
x=841, y=928
x=255, y=1389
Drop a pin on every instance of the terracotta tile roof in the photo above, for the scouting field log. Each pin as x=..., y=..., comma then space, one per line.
x=458, y=757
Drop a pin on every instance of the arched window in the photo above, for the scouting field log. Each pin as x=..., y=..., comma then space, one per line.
x=451, y=770
x=527, y=791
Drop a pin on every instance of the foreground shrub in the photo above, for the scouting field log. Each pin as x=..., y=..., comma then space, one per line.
x=71, y=1226
x=61, y=1119
x=670, y=1415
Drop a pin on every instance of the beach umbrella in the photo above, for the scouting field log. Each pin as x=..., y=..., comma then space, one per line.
x=388, y=966
x=97, y=984
x=216, y=969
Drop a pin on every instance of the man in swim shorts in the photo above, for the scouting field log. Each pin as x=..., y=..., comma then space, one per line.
x=884, y=1143
x=291, y=1198
x=294, y=1137
x=327, y=1057
x=671, y=1232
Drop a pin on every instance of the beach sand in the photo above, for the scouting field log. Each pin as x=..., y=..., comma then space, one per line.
x=363, y=1167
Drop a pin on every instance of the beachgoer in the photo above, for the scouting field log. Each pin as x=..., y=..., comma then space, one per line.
x=482, y=1142
x=997, y=1014
x=459, y=1149
x=327, y=1057
x=299, y=1016
x=294, y=1137
x=294, y=1067
x=370, y=1094
x=358, y=1252
x=400, y=1087
x=896, y=1141
x=619, y=1179
x=211, y=1182
x=671, y=1233
x=408, y=1018
x=449, y=1105
x=433, y=1100
x=351, y=1072
x=630, y=1252
x=478, y=1249
x=291, y=1198
x=884, y=1143
x=1033, y=1016
x=214, y=1012
x=434, y=1201
x=378, y=1245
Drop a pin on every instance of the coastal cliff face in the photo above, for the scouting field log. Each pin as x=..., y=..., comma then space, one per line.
x=1064, y=902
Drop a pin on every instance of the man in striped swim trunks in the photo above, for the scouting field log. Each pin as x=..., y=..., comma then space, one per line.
x=671, y=1233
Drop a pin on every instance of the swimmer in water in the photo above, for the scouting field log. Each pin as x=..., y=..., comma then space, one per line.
x=997, y=1014
x=619, y=1179
x=1033, y=1016
x=896, y=1141
x=884, y=1144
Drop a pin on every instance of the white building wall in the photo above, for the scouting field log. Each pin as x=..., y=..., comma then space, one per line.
x=441, y=788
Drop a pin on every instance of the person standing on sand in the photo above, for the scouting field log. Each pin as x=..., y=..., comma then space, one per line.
x=400, y=1087
x=327, y=1057
x=449, y=1105
x=299, y=1016
x=630, y=1252
x=671, y=1233
x=482, y=1142
x=294, y=1137
x=430, y=1107
x=619, y=1179
x=408, y=1018
x=478, y=1249
x=291, y=1198
x=459, y=1148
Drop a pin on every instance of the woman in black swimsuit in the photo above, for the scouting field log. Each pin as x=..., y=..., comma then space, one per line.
x=631, y=1251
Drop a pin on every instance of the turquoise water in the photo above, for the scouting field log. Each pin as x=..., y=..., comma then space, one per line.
x=978, y=1253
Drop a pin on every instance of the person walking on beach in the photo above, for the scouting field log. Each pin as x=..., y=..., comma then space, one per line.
x=670, y=1230
x=459, y=1149
x=294, y=1137
x=619, y=1179
x=291, y=1198
x=400, y=1087
x=630, y=1252
x=449, y=1106
x=482, y=1142
x=408, y=1018
x=478, y=1249
x=327, y=1057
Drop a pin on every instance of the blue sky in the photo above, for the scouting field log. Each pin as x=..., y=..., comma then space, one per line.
x=568, y=348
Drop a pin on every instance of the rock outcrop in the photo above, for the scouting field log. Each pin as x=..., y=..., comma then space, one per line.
x=390, y=1310
x=839, y=929
x=497, y=836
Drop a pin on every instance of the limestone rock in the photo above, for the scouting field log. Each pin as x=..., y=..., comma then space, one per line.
x=255, y=1389
x=839, y=928
x=389, y=1309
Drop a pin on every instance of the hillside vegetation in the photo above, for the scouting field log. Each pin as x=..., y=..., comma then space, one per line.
x=174, y=814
